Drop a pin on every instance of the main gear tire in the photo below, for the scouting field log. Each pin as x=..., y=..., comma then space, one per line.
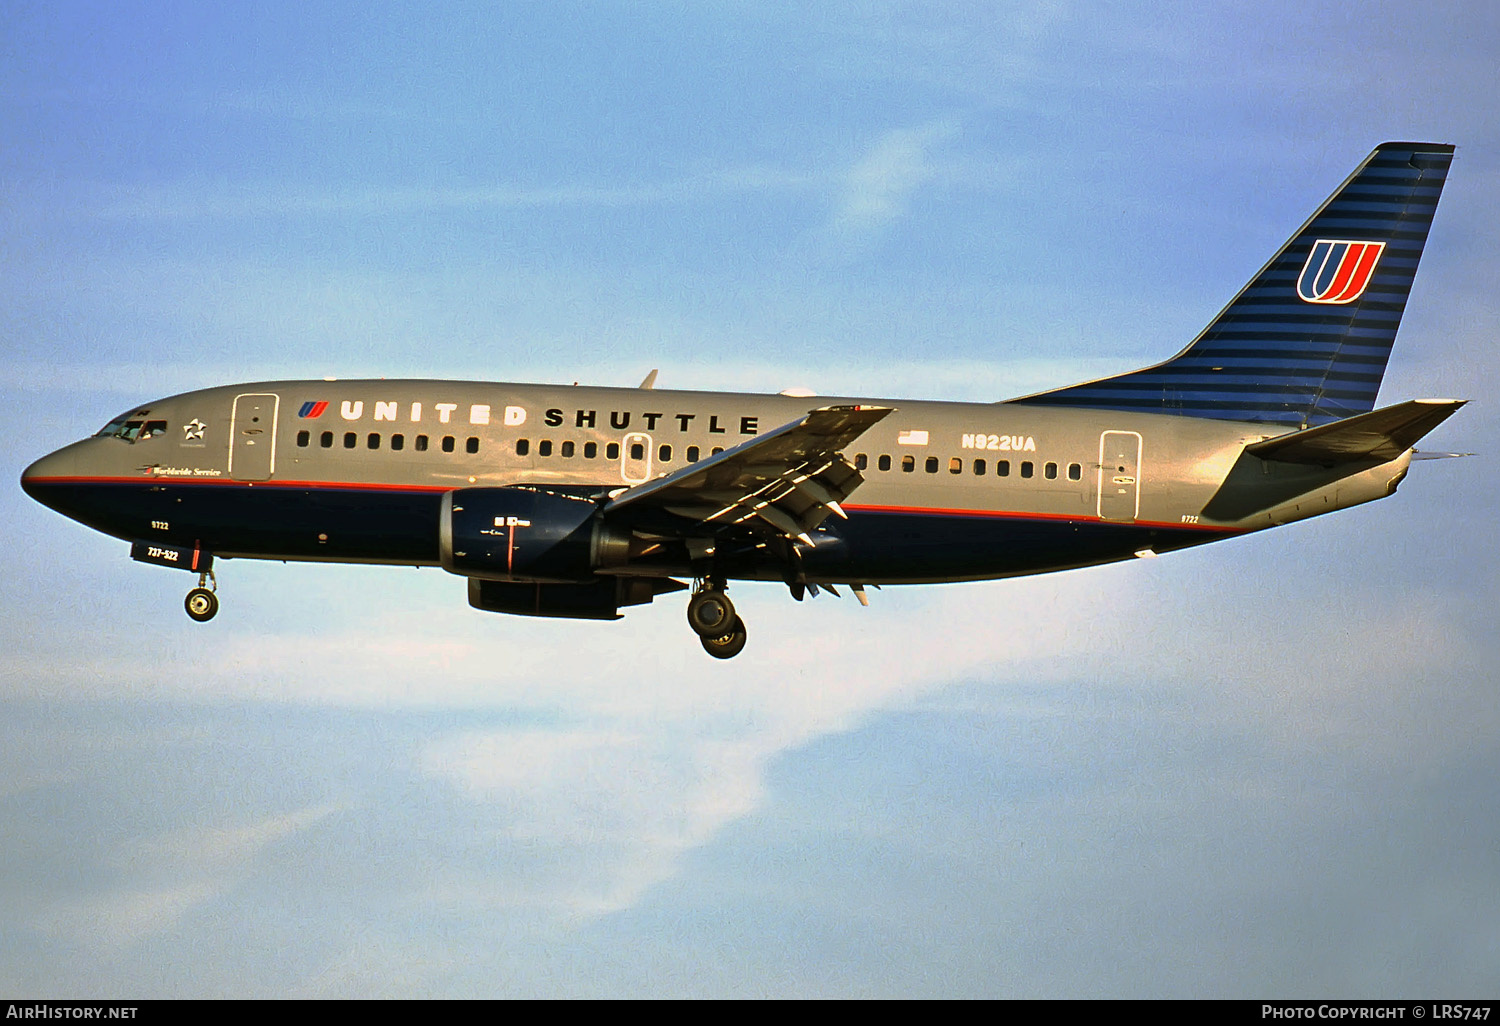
x=710, y=613
x=728, y=645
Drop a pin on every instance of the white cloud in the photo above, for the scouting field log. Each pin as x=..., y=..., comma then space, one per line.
x=876, y=192
x=647, y=749
x=630, y=799
x=218, y=848
x=124, y=915
x=879, y=188
x=213, y=201
x=162, y=879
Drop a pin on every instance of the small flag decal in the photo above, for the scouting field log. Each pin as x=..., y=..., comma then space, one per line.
x=912, y=438
x=312, y=410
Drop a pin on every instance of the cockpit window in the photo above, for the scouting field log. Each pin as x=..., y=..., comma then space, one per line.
x=111, y=429
x=133, y=428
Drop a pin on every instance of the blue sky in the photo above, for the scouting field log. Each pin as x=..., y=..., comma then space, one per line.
x=1261, y=768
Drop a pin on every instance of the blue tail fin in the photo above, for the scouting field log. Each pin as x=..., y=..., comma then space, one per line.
x=1306, y=342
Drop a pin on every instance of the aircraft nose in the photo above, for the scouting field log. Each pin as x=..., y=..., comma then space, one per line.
x=40, y=480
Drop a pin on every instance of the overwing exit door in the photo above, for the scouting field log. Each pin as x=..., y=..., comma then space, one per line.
x=635, y=457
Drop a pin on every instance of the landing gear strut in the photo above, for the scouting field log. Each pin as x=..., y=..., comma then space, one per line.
x=201, y=603
x=712, y=617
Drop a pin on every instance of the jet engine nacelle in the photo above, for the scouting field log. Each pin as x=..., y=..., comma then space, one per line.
x=598, y=599
x=527, y=534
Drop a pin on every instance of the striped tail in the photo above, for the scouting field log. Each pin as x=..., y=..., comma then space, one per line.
x=1307, y=341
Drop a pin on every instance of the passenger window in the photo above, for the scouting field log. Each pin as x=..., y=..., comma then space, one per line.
x=637, y=451
x=447, y=443
x=612, y=451
x=326, y=439
x=1002, y=468
x=908, y=464
x=523, y=446
x=544, y=447
x=1075, y=472
x=664, y=454
x=884, y=463
x=472, y=445
x=716, y=450
x=1050, y=471
x=373, y=441
x=303, y=438
x=979, y=467
x=350, y=439
x=398, y=442
x=421, y=443
x=861, y=462
x=1027, y=468
x=590, y=450
x=567, y=450
x=955, y=466
x=692, y=454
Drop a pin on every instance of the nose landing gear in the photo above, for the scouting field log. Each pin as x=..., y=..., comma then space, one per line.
x=201, y=603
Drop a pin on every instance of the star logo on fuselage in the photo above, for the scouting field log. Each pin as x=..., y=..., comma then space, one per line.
x=193, y=430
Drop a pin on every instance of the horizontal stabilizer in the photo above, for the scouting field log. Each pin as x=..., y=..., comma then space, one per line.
x=1440, y=455
x=1381, y=435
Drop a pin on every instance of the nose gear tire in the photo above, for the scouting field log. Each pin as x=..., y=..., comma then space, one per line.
x=201, y=604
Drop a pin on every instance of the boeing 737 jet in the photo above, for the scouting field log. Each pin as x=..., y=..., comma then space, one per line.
x=568, y=501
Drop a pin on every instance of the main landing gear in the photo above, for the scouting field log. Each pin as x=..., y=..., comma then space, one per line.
x=201, y=603
x=712, y=617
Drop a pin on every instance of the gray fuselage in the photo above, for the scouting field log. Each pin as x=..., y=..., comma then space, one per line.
x=354, y=471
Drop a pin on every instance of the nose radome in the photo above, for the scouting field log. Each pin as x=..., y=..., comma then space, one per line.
x=48, y=469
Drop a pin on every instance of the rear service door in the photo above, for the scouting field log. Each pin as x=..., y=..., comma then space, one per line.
x=252, y=437
x=1119, y=475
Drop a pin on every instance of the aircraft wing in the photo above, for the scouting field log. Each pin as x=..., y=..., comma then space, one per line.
x=788, y=480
